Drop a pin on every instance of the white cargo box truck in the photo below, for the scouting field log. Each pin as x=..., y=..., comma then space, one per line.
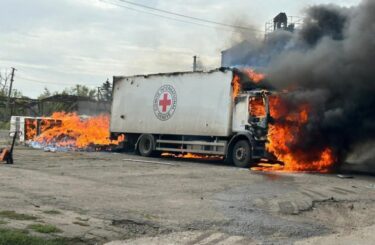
x=191, y=112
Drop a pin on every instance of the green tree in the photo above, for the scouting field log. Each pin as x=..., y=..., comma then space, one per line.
x=45, y=94
x=80, y=90
x=106, y=91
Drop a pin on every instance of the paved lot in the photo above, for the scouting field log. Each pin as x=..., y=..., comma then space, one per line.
x=126, y=199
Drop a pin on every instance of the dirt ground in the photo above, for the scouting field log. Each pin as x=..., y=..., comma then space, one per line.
x=114, y=198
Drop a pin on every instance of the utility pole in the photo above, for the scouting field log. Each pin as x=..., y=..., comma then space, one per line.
x=195, y=63
x=8, y=108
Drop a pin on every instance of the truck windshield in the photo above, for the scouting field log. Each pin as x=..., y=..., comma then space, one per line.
x=257, y=107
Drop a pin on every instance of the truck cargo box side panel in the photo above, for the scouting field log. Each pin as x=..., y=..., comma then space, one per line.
x=199, y=104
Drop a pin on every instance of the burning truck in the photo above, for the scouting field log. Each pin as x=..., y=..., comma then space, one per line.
x=220, y=113
x=324, y=118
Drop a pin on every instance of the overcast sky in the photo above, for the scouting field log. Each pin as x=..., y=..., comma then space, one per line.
x=59, y=43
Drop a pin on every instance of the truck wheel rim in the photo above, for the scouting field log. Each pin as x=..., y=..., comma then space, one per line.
x=240, y=153
x=147, y=145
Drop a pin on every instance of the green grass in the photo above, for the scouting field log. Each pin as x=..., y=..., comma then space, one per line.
x=41, y=228
x=3, y=222
x=52, y=212
x=16, y=216
x=21, y=237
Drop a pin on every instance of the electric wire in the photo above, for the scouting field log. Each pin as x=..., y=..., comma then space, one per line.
x=224, y=28
x=188, y=17
x=162, y=16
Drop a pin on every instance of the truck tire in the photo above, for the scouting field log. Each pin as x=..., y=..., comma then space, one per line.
x=241, y=154
x=146, y=145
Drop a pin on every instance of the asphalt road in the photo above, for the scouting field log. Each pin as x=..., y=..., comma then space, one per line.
x=104, y=197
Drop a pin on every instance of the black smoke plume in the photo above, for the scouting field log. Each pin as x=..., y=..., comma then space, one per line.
x=330, y=64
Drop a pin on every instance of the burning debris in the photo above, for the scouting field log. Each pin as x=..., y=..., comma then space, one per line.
x=72, y=133
x=30, y=127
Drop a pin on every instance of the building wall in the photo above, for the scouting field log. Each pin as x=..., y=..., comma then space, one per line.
x=91, y=108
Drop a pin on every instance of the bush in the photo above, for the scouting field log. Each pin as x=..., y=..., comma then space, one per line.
x=4, y=125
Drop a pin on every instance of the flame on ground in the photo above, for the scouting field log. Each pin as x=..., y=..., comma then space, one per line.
x=192, y=156
x=75, y=132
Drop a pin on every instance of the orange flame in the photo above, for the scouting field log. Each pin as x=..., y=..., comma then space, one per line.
x=46, y=124
x=256, y=107
x=236, y=86
x=192, y=156
x=253, y=75
x=76, y=132
x=30, y=128
x=284, y=133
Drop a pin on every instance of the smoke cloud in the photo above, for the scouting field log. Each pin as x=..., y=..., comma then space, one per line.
x=328, y=64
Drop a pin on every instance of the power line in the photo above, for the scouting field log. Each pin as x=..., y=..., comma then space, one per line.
x=189, y=17
x=161, y=16
x=175, y=19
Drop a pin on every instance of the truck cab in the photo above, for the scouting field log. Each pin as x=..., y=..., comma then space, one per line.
x=251, y=116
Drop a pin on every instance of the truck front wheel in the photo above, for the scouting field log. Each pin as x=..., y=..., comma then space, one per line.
x=241, y=154
x=146, y=145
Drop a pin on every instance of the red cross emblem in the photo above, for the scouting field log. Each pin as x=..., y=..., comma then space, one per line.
x=165, y=102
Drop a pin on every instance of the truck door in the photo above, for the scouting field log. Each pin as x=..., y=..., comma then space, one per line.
x=259, y=114
x=240, y=113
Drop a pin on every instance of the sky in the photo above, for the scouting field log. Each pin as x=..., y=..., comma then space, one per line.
x=57, y=44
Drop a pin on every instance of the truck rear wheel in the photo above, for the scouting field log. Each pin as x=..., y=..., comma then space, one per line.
x=241, y=154
x=146, y=145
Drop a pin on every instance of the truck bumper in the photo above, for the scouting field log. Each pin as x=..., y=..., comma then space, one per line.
x=259, y=149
